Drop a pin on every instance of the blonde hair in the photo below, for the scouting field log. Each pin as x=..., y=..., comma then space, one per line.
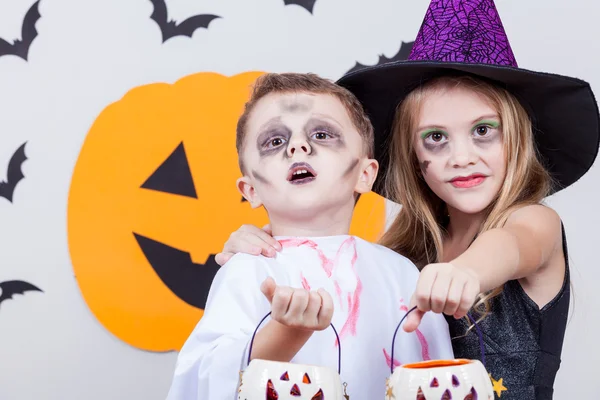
x=418, y=229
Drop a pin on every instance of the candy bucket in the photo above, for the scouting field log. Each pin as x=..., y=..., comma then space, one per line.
x=273, y=380
x=458, y=379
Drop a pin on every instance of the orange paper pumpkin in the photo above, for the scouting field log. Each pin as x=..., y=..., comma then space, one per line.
x=153, y=198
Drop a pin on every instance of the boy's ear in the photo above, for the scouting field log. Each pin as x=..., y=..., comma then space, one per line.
x=369, y=170
x=244, y=186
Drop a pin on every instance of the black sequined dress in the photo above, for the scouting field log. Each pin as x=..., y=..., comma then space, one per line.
x=523, y=343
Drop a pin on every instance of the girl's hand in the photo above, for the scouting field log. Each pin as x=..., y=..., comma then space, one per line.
x=443, y=288
x=298, y=308
x=249, y=239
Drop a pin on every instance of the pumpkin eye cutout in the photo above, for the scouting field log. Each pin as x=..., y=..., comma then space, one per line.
x=295, y=391
x=434, y=383
x=271, y=392
x=447, y=395
x=420, y=395
x=455, y=381
x=472, y=395
x=306, y=379
x=285, y=376
x=318, y=395
x=173, y=175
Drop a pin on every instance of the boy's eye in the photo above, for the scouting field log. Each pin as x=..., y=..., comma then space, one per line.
x=321, y=135
x=276, y=142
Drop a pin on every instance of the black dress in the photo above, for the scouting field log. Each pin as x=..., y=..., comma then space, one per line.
x=523, y=343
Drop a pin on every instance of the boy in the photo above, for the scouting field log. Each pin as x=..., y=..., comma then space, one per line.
x=305, y=150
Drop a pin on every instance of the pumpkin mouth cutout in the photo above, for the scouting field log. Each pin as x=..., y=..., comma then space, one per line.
x=437, y=364
x=187, y=280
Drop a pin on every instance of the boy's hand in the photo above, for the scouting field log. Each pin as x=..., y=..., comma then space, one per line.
x=249, y=239
x=442, y=288
x=298, y=308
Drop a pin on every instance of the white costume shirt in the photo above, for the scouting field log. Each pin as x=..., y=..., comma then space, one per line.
x=371, y=287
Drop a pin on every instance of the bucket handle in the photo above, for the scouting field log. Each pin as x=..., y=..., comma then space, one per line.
x=481, y=345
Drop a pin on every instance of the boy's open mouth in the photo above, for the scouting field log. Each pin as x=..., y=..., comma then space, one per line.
x=301, y=173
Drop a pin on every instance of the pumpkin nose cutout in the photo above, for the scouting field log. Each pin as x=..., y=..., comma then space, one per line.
x=472, y=395
x=295, y=391
x=318, y=395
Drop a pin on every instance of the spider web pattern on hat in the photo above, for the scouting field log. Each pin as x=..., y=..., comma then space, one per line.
x=467, y=31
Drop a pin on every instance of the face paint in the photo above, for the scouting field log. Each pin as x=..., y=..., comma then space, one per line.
x=260, y=178
x=295, y=105
x=324, y=133
x=351, y=168
x=272, y=139
x=424, y=166
x=434, y=140
x=486, y=133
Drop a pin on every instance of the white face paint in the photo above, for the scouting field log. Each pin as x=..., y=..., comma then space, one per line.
x=459, y=145
x=303, y=155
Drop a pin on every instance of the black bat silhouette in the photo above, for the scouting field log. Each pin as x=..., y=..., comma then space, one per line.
x=402, y=54
x=13, y=174
x=170, y=29
x=10, y=288
x=20, y=47
x=308, y=5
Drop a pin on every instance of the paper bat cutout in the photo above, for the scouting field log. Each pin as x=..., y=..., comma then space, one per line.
x=171, y=29
x=13, y=174
x=402, y=54
x=10, y=288
x=306, y=4
x=20, y=47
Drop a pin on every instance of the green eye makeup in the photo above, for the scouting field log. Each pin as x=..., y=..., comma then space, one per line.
x=492, y=123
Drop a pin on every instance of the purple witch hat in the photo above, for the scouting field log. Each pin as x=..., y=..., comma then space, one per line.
x=467, y=37
x=465, y=32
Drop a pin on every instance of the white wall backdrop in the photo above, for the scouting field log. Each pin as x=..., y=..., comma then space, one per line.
x=89, y=54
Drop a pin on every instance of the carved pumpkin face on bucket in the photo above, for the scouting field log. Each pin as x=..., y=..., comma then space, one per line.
x=270, y=380
x=459, y=379
x=153, y=198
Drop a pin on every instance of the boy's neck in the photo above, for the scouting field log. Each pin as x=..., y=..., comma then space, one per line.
x=320, y=226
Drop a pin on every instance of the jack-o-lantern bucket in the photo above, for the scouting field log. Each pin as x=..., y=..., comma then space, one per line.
x=273, y=380
x=458, y=379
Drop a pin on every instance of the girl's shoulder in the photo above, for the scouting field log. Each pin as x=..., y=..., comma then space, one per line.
x=536, y=218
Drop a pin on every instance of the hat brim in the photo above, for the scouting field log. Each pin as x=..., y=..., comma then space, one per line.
x=563, y=110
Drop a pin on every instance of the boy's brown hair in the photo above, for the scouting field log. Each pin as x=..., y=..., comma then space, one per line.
x=307, y=83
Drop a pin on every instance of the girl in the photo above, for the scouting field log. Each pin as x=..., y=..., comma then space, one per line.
x=475, y=144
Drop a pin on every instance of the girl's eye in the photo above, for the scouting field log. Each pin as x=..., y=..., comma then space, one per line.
x=482, y=130
x=436, y=136
x=321, y=135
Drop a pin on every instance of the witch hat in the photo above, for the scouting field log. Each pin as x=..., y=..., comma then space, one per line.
x=467, y=36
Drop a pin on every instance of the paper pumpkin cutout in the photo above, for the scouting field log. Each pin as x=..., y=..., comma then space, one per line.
x=153, y=198
x=440, y=379
x=271, y=380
